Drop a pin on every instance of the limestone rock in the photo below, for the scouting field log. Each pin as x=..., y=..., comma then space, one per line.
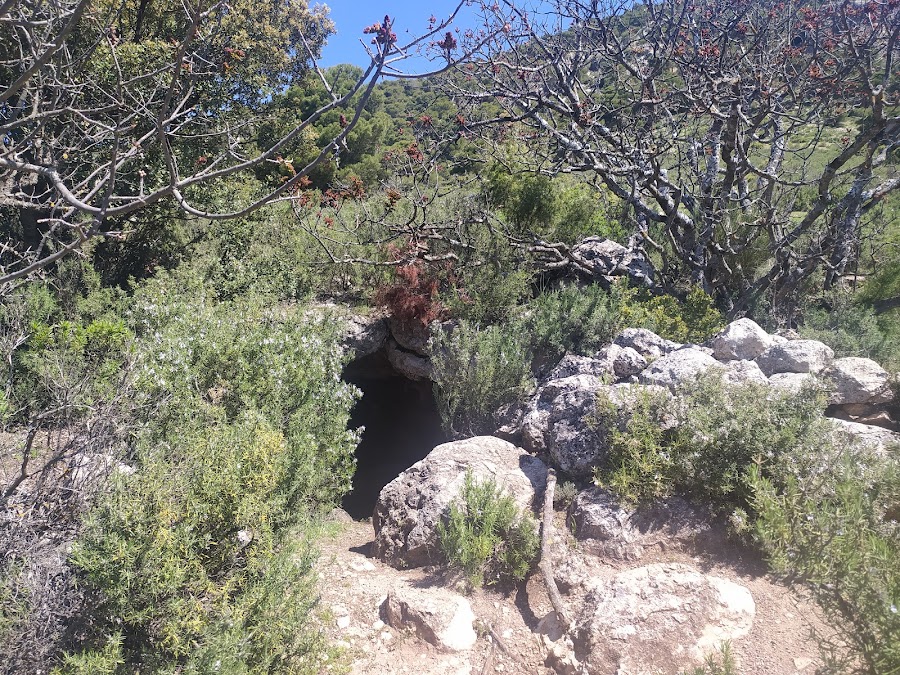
x=608, y=258
x=575, y=436
x=623, y=361
x=677, y=367
x=410, y=507
x=645, y=342
x=611, y=529
x=571, y=386
x=858, y=380
x=659, y=618
x=796, y=356
x=411, y=337
x=792, y=382
x=365, y=334
x=743, y=372
x=438, y=616
x=411, y=365
x=572, y=364
x=877, y=438
x=742, y=339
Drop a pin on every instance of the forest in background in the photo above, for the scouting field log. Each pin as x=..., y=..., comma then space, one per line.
x=176, y=193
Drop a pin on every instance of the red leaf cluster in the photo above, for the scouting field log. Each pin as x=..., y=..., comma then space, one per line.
x=413, y=299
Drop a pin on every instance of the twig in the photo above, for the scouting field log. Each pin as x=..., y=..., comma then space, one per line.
x=503, y=648
x=546, y=566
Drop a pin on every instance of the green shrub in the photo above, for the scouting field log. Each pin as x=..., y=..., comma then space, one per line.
x=476, y=372
x=486, y=537
x=200, y=557
x=581, y=320
x=720, y=431
x=721, y=663
x=837, y=531
x=693, y=319
x=578, y=320
x=852, y=328
x=826, y=513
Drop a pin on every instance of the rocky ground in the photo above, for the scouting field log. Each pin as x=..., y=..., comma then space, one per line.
x=508, y=623
x=646, y=591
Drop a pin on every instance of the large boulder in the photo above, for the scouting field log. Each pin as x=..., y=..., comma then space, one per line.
x=564, y=420
x=410, y=365
x=858, y=380
x=572, y=364
x=611, y=529
x=742, y=339
x=796, y=356
x=436, y=615
x=410, y=507
x=743, y=372
x=658, y=619
x=645, y=342
x=877, y=438
x=793, y=382
x=411, y=336
x=675, y=368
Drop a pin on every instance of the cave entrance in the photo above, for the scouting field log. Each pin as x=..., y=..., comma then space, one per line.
x=402, y=426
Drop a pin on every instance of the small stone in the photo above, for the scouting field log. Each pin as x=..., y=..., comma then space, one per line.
x=386, y=636
x=802, y=662
x=343, y=622
x=362, y=565
x=378, y=624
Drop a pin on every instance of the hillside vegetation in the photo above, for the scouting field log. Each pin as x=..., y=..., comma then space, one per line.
x=181, y=189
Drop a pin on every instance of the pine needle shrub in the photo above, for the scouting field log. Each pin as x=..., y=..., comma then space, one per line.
x=719, y=663
x=486, y=537
x=837, y=531
x=477, y=371
x=200, y=558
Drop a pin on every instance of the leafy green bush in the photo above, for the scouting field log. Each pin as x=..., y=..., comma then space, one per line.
x=476, y=372
x=581, y=320
x=720, y=431
x=486, y=537
x=576, y=320
x=200, y=557
x=852, y=328
x=837, y=531
x=693, y=319
x=826, y=513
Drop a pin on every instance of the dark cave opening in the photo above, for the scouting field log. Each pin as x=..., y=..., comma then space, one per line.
x=402, y=425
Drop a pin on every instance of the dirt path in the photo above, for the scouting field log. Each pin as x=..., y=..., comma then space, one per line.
x=353, y=586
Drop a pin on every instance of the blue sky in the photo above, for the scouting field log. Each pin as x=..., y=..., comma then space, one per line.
x=352, y=16
x=410, y=19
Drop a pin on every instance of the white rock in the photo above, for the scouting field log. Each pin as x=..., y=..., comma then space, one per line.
x=645, y=342
x=678, y=367
x=742, y=339
x=877, y=438
x=858, y=380
x=796, y=356
x=438, y=616
x=623, y=361
x=659, y=618
x=792, y=382
x=743, y=372
x=611, y=529
x=410, y=507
